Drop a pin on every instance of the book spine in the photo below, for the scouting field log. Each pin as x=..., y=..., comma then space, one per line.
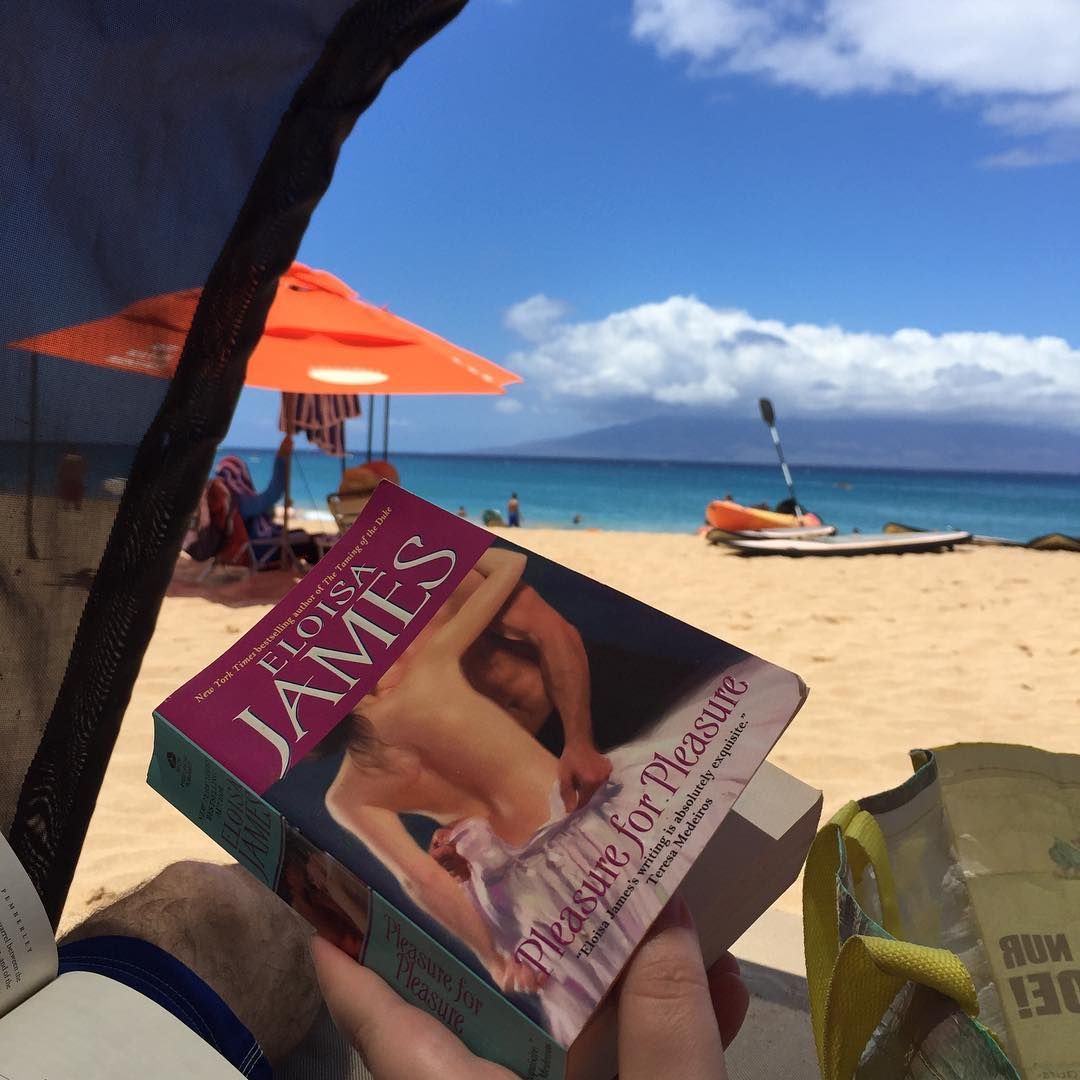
x=228, y=811
x=421, y=970
x=431, y=978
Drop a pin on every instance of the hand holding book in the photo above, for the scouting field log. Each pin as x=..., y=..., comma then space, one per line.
x=520, y=764
x=399, y=1041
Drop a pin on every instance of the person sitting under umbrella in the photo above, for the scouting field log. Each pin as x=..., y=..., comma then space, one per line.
x=257, y=507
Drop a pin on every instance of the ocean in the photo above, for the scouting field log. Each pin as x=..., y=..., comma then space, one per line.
x=646, y=496
x=657, y=496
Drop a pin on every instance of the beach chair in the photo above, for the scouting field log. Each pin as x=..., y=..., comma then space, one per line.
x=218, y=537
x=345, y=509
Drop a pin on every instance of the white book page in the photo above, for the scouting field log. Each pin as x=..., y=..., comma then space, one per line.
x=27, y=946
x=84, y=1026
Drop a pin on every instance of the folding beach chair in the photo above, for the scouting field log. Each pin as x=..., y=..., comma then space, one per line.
x=217, y=535
x=345, y=509
x=358, y=484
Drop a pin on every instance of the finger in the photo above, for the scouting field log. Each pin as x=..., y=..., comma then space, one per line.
x=589, y=789
x=397, y=1041
x=568, y=792
x=728, y=963
x=730, y=1001
x=730, y=996
x=666, y=1022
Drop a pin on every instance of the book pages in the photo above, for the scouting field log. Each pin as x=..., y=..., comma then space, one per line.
x=84, y=1026
x=27, y=948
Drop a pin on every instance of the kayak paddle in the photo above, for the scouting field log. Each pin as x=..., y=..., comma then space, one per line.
x=769, y=416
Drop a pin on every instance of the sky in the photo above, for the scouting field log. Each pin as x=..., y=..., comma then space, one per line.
x=658, y=207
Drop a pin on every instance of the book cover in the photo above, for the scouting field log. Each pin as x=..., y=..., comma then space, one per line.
x=481, y=773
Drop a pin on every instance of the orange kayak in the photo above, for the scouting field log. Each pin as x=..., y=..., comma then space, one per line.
x=733, y=516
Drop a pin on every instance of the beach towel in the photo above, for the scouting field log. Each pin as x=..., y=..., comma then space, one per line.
x=321, y=417
x=217, y=530
x=234, y=473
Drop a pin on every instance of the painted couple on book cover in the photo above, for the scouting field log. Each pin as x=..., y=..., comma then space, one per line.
x=531, y=779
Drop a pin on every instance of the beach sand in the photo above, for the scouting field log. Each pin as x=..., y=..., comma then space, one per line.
x=898, y=651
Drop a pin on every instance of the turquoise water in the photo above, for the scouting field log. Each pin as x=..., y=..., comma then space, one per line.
x=671, y=496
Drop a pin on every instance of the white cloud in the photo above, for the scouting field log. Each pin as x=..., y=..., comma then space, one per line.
x=508, y=405
x=1017, y=61
x=532, y=318
x=682, y=352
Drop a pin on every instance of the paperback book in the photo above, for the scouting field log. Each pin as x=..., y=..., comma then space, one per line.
x=480, y=773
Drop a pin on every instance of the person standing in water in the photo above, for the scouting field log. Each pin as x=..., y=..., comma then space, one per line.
x=513, y=511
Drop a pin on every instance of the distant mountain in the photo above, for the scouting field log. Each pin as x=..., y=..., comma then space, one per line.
x=886, y=443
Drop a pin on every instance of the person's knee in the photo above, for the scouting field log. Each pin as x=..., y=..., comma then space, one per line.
x=235, y=934
x=222, y=900
x=183, y=902
x=248, y=944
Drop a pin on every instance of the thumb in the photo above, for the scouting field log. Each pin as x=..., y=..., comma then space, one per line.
x=666, y=1023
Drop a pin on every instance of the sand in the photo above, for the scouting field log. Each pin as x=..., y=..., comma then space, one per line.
x=899, y=652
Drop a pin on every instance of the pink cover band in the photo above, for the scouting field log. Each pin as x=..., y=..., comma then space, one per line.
x=330, y=640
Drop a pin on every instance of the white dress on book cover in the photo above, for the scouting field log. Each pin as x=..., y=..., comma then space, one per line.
x=518, y=888
x=521, y=887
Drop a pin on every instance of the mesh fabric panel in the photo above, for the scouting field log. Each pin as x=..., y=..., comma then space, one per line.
x=147, y=147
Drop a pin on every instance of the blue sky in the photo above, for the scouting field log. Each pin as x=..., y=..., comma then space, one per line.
x=662, y=206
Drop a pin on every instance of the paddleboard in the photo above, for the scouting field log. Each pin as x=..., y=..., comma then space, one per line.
x=853, y=544
x=803, y=532
x=989, y=541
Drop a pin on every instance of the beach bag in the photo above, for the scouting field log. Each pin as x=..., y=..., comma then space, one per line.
x=896, y=972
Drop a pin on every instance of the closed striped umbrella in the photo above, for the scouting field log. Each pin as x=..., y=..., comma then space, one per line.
x=321, y=417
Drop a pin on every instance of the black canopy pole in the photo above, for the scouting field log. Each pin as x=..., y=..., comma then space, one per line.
x=31, y=468
x=370, y=423
x=386, y=429
x=769, y=416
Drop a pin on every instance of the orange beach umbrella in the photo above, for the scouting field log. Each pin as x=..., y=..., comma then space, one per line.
x=319, y=338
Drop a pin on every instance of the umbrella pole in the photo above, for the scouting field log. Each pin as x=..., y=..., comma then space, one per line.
x=370, y=423
x=386, y=429
x=288, y=560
